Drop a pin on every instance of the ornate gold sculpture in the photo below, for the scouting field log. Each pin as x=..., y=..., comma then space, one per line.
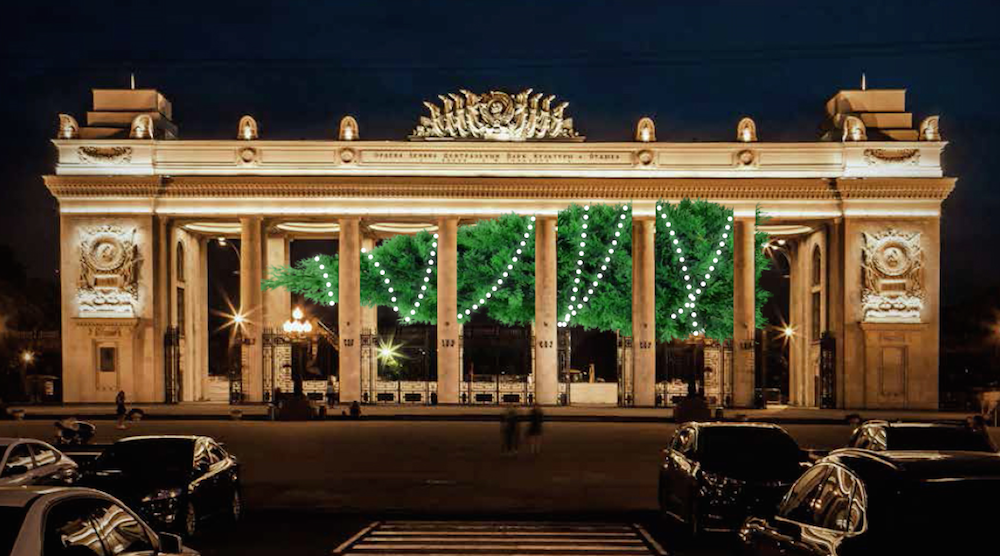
x=892, y=289
x=247, y=130
x=645, y=130
x=142, y=127
x=349, y=129
x=929, y=129
x=496, y=116
x=68, y=128
x=746, y=131
x=854, y=129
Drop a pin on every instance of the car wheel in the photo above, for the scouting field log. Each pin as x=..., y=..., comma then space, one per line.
x=190, y=521
x=236, y=505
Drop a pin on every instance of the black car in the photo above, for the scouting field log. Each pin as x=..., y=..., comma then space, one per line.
x=716, y=474
x=884, y=435
x=864, y=502
x=175, y=482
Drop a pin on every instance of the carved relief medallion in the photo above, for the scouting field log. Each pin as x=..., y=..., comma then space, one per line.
x=892, y=156
x=109, y=272
x=892, y=289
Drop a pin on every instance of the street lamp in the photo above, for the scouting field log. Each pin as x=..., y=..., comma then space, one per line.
x=298, y=331
x=28, y=357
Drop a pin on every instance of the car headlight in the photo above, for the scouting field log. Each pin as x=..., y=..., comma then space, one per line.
x=163, y=494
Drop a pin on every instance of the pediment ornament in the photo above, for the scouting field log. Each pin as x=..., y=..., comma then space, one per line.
x=496, y=116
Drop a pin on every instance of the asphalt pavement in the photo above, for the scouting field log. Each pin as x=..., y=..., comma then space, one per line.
x=311, y=485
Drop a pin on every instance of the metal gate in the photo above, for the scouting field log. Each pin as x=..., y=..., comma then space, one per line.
x=172, y=364
x=565, y=346
x=625, y=371
x=827, y=372
x=369, y=367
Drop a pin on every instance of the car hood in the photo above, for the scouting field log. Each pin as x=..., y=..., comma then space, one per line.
x=131, y=486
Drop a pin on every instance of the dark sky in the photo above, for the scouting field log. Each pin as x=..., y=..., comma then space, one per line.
x=695, y=68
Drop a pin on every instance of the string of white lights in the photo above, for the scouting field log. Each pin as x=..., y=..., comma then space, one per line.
x=577, y=304
x=703, y=283
x=516, y=257
x=329, y=285
x=428, y=270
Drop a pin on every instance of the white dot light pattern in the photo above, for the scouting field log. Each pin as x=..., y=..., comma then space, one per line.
x=428, y=270
x=693, y=291
x=583, y=288
x=482, y=300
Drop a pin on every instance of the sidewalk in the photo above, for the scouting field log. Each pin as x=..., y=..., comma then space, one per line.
x=579, y=413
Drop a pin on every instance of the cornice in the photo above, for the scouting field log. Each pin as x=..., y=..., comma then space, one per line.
x=895, y=188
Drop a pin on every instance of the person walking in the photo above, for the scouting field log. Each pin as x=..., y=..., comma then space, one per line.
x=510, y=430
x=120, y=408
x=535, y=429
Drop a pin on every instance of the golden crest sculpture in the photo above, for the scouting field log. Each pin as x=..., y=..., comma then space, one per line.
x=645, y=130
x=496, y=116
x=746, y=131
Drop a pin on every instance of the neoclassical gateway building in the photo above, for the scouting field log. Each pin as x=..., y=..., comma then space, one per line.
x=858, y=212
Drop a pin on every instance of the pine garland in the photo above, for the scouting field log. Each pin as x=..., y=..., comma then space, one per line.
x=486, y=249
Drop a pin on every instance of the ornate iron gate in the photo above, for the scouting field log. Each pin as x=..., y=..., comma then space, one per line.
x=565, y=346
x=625, y=371
x=827, y=372
x=369, y=367
x=172, y=364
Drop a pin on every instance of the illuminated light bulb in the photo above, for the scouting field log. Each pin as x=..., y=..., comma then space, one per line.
x=578, y=271
x=712, y=268
x=718, y=251
x=332, y=303
x=406, y=319
x=623, y=217
x=684, y=268
x=618, y=234
x=707, y=276
x=724, y=236
x=658, y=207
x=575, y=289
x=579, y=262
x=673, y=316
x=433, y=254
x=434, y=245
x=693, y=314
x=370, y=257
x=460, y=315
x=591, y=292
x=672, y=232
x=689, y=286
x=572, y=298
x=386, y=280
x=481, y=301
x=468, y=312
x=522, y=245
x=514, y=259
x=488, y=295
x=526, y=234
x=585, y=299
x=579, y=306
x=430, y=261
x=600, y=275
x=376, y=264
x=586, y=207
x=695, y=323
x=668, y=224
x=716, y=260
x=329, y=285
x=583, y=234
x=530, y=227
x=576, y=280
x=395, y=309
x=727, y=226
x=505, y=274
x=499, y=280
x=730, y=219
x=678, y=249
x=614, y=242
x=494, y=289
x=393, y=299
x=624, y=207
x=586, y=217
x=686, y=278
x=325, y=275
x=474, y=307
x=604, y=267
x=381, y=273
x=595, y=283
x=676, y=242
x=607, y=259
x=363, y=250
x=316, y=258
x=435, y=236
x=703, y=284
x=680, y=311
x=697, y=291
x=321, y=267
x=510, y=267
x=663, y=216
x=416, y=304
x=391, y=290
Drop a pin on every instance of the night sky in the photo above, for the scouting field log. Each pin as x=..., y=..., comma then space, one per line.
x=298, y=67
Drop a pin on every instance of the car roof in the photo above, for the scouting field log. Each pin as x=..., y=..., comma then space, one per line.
x=918, y=465
x=911, y=425
x=191, y=437
x=730, y=424
x=21, y=496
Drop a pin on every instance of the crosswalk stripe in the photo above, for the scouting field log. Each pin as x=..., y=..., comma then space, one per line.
x=481, y=538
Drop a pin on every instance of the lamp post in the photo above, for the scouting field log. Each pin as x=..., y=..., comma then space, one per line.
x=27, y=358
x=298, y=331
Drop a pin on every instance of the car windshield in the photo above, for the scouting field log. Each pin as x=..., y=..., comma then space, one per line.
x=10, y=524
x=937, y=439
x=758, y=452
x=155, y=455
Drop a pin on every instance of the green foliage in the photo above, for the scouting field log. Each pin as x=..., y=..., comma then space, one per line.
x=309, y=277
x=485, y=251
x=610, y=306
x=404, y=260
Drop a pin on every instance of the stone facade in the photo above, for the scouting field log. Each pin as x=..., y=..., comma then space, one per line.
x=859, y=211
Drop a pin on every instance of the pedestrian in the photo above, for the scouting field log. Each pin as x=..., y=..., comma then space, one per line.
x=120, y=408
x=535, y=429
x=510, y=430
x=355, y=410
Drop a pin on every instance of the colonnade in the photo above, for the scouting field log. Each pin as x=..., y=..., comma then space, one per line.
x=354, y=319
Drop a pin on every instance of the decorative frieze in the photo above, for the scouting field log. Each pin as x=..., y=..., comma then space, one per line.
x=104, y=155
x=874, y=157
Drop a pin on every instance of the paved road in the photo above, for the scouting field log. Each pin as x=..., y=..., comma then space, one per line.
x=310, y=486
x=371, y=467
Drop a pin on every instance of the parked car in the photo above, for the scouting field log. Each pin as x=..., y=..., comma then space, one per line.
x=715, y=474
x=858, y=501
x=24, y=461
x=175, y=482
x=73, y=521
x=885, y=435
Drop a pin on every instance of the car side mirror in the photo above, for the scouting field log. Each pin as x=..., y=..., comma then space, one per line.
x=170, y=543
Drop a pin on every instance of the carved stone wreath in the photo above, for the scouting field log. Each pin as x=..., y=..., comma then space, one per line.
x=104, y=155
x=892, y=156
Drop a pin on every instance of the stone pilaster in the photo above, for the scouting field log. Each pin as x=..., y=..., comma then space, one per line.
x=546, y=337
x=744, y=325
x=449, y=360
x=251, y=252
x=349, y=310
x=644, y=312
x=277, y=302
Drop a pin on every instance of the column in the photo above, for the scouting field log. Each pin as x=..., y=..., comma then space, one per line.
x=643, y=312
x=161, y=310
x=200, y=305
x=251, y=306
x=449, y=361
x=277, y=302
x=349, y=310
x=546, y=331
x=744, y=324
x=369, y=315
